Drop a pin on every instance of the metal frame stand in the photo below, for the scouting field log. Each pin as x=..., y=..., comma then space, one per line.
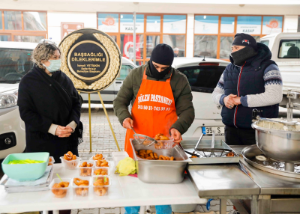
x=107, y=117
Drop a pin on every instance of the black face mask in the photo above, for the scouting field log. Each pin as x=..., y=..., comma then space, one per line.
x=239, y=57
x=156, y=74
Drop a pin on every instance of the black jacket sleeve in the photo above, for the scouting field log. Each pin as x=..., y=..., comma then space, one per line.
x=76, y=105
x=28, y=112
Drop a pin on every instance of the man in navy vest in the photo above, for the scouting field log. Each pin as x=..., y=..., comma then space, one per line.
x=251, y=81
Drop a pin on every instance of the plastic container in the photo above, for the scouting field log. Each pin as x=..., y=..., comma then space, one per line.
x=25, y=172
x=60, y=192
x=100, y=170
x=184, y=208
x=70, y=164
x=117, y=156
x=81, y=191
x=51, y=161
x=85, y=171
x=100, y=190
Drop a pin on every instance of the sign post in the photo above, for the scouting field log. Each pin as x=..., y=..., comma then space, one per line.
x=92, y=60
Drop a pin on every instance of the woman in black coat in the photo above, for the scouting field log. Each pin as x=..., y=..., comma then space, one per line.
x=49, y=105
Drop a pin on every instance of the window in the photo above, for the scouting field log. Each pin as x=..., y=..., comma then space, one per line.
x=151, y=29
x=299, y=24
x=272, y=24
x=289, y=49
x=225, y=47
x=23, y=26
x=227, y=24
x=249, y=24
x=125, y=70
x=265, y=42
x=35, y=21
x=13, y=20
x=205, y=46
x=176, y=42
x=14, y=64
x=203, y=78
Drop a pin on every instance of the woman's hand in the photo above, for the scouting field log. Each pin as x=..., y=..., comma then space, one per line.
x=63, y=131
x=175, y=134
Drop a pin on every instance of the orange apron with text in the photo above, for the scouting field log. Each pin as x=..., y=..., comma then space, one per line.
x=153, y=110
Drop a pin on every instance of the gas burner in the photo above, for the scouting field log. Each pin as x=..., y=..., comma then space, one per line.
x=257, y=159
x=214, y=152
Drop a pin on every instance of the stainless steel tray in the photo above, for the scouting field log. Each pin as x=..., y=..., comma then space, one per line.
x=188, y=145
x=159, y=171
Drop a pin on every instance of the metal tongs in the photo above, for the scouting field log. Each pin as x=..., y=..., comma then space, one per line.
x=143, y=139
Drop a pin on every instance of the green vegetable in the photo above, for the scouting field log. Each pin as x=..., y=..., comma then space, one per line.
x=27, y=161
x=126, y=167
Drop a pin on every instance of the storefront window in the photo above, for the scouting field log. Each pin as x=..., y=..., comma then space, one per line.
x=153, y=24
x=249, y=24
x=126, y=24
x=127, y=46
x=299, y=24
x=35, y=21
x=35, y=39
x=174, y=24
x=205, y=46
x=225, y=46
x=206, y=24
x=227, y=24
x=114, y=37
x=108, y=22
x=5, y=37
x=12, y=20
x=152, y=41
x=176, y=41
x=272, y=24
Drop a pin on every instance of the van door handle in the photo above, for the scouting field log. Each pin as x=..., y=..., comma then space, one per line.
x=118, y=82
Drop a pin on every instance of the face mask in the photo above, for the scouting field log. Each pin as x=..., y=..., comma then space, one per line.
x=156, y=74
x=54, y=65
x=239, y=57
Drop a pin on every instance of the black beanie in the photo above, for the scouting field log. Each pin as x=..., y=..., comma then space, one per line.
x=162, y=54
x=243, y=39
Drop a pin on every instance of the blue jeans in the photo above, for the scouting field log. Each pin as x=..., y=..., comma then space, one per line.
x=160, y=209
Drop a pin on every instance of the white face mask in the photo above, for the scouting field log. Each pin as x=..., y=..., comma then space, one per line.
x=54, y=65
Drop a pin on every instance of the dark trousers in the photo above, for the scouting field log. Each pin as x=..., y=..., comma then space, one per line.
x=237, y=136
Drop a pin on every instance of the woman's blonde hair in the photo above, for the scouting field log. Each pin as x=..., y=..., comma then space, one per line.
x=43, y=51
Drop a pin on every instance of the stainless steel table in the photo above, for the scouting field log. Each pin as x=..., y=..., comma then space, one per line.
x=268, y=193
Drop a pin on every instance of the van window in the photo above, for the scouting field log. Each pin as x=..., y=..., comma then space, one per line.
x=14, y=64
x=203, y=78
x=265, y=42
x=289, y=49
x=125, y=69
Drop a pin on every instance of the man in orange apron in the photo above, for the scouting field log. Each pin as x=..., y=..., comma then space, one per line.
x=162, y=103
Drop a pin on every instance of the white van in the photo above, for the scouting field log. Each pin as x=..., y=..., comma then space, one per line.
x=14, y=64
x=285, y=48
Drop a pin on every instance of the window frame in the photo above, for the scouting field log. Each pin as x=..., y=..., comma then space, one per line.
x=23, y=32
x=280, y=45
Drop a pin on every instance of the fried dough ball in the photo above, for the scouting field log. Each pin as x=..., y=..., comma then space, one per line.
x=230, y=154
x=100, y=172
x=102, y=163
x=159, y=145
x=69, y=156
x=101, y=181
x=100, y=190
x=98, y=157
x=161, y=137
x=58, y=191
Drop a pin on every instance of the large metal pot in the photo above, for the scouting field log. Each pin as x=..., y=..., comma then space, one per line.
x=277, y=144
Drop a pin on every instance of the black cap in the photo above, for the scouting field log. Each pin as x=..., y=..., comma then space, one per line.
x=162, y=54
x=243, y=39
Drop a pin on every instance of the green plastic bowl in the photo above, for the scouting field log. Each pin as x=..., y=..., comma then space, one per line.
x=26, y=172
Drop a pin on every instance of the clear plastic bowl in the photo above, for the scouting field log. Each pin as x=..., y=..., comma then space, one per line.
x=100, y=170
x=81, y=191
x=70, y=164
x=100, y=190
x=85, y=171
x=60, y=192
